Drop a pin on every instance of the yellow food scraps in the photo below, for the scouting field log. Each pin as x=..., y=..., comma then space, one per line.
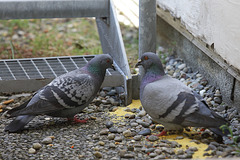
x=119, y=114
x=8, y=101
x=1, y=108
x=186, y=142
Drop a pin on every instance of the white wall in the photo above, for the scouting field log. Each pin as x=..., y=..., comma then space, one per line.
x=213, y=21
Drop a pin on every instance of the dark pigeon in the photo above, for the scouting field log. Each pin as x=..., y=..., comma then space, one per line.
x=65, y=96
x=170, y=102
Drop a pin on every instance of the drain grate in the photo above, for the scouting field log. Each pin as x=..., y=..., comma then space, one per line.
x=30, y=74
x=41, y=68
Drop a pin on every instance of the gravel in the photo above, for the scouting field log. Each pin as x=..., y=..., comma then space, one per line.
x=132, y=137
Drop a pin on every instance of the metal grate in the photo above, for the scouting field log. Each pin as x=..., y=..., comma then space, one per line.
x=31, y=74
x=41, y=68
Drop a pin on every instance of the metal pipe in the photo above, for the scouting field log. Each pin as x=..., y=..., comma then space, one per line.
x=147, y=26
x=34, y=9
x=147, y=34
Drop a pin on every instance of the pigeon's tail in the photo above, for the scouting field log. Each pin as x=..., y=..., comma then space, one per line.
x=22, y=106
x=18, y=123
x=220, y=132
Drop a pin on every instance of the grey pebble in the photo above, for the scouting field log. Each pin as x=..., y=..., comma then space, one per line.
x=141, y=113
x=109, y=124
x=168, y=150
x=118, y=139
x=134, y=124
x=127, y=109
x=132, y=116
x=174, y=144
x=129, y=155
x=193, y=149
x=153, y=126
x=149, y=150
x=205, y=135
x=182, y=156
x=152, y=155
x=217, y=100
x=104, y=131
x=113, y=130
x=98, y=154
x=120, y=130
x=159, y=128
x=95, y=137
x=145, y=132
x=179, y=137
x=180, y=152
x=32, y=151
x=221, y=108
x=153, y=138
x=122, y=153
x=112, y=145
x=127, y=115
x=127, y=133
x=112, y=92
x=211, y=147
x=47, y=140
x=181, y=66
x=195, y=141
x=107, y=89
x=205, y=140
x=37, y=146
x=111, y=136
x=103, y=94
x=215, y=144
x=139, y=121
x=145, y=124
x=137, y=137
x=130, y=147
x=160, y=157
x=158, y=151
x=101, y=143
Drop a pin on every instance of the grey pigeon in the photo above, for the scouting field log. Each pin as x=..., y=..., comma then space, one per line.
x=65, y=96
x=170, y=102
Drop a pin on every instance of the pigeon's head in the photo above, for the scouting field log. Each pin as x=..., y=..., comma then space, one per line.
x=150, y=61
x=101, y=62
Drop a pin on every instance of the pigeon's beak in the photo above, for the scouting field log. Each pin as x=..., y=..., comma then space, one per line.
x=138, y=64
x=113, y=67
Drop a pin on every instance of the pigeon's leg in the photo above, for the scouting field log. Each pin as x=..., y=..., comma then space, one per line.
x=163, y=133
x=77, y=120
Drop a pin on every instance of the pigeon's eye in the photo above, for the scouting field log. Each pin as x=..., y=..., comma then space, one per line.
x=108, y=60
x=146, y=57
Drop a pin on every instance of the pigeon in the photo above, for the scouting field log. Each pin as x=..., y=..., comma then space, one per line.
x=173, y=104
x=65, y=96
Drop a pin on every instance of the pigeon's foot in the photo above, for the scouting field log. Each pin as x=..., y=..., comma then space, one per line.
x=77, y=120
x=163, y=133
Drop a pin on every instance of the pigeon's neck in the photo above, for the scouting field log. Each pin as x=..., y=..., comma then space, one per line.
x=150, y=76
x=96, y=71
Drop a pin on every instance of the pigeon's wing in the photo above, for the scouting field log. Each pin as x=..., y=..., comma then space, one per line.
x=165, y=100
x=203, y=116
x=64, y=92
